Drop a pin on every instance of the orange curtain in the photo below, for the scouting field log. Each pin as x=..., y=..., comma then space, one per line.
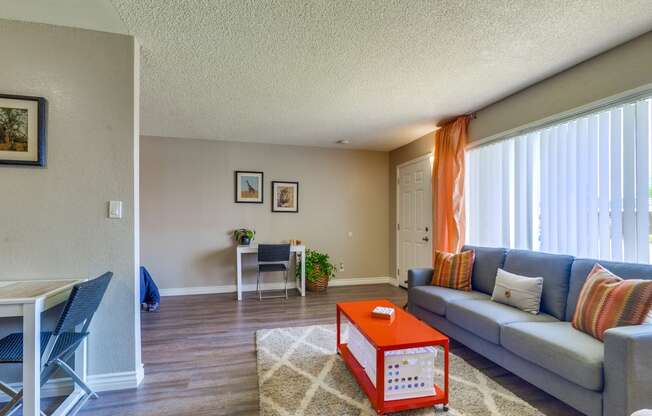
x=448, y=221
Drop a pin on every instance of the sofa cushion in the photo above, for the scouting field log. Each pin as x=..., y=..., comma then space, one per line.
x=435, y=298
x=558, y=347
x=486, y=264
x=485, y=317
x=582, y=267
x=555, y=270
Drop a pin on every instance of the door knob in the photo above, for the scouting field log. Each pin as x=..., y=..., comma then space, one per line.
x=425, y=238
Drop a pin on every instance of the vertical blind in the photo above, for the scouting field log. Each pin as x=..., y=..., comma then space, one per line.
x=579, y=187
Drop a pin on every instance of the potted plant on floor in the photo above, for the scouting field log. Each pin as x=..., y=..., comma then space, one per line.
x=319, y=270
x=244, y=236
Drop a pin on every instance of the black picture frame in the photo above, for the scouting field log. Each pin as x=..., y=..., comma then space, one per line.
x=237, y=198
x=41, y=119
x=295, y=210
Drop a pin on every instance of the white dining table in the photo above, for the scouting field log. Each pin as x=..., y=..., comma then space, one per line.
x=28, y=299
x=299, y=253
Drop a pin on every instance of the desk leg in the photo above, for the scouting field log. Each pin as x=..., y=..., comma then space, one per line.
x=238, y=272
x=303, y=273
x=32, y=358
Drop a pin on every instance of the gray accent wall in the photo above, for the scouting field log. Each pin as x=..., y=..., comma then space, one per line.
x=616, y=71
x=188, y=210
x=53, y=220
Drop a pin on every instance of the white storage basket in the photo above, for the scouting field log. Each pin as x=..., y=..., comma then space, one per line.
x=409, y=373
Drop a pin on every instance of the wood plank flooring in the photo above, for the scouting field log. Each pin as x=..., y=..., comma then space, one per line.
x=200, y=358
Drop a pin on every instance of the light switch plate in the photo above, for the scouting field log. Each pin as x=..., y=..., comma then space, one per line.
x=115, y=209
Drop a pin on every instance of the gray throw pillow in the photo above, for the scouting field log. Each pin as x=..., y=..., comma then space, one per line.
x=521, y=292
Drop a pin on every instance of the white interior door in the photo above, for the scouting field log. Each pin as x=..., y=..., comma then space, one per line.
x=414, y=228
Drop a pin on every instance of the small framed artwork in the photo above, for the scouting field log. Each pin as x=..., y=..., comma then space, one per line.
x=22, y=130
x=248, y=187
x=285, y=196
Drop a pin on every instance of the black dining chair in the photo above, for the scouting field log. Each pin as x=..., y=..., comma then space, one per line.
x=272, y=258
x=59, y=345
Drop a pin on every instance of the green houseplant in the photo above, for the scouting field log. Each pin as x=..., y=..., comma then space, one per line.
x=319, y=270
x=244, y=236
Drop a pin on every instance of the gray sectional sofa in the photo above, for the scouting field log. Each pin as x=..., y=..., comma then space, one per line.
x=613, y=378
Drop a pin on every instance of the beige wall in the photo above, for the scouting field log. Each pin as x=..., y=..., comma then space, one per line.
x=624, y=68
x=53, y=221
x=410, y=151
x=188, y=213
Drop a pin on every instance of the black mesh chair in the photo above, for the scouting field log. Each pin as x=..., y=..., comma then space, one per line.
x=272, y=258
x=59, y=345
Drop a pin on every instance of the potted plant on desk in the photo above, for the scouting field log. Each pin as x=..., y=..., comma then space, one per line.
x=244, y=236
x=319, y=270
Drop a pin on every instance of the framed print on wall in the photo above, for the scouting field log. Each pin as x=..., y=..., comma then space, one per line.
x=22, y=130
x=285, y=196
x=248, y=187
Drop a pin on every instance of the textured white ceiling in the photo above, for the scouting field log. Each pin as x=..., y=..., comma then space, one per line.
x=379, y=73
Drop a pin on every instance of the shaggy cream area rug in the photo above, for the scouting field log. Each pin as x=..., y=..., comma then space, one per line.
x=299, y=374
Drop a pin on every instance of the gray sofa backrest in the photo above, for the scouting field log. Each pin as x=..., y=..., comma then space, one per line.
x=582, y=267
x=563, y=276
x=485, y=266
x=555, y=270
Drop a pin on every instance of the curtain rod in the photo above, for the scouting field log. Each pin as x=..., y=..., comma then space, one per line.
x=472, y=116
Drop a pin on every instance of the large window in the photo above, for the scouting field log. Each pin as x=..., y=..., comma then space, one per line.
x=580, y=187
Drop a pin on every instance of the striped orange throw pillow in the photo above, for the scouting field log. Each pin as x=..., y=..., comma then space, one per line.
x=453, y=270
x=607, y=301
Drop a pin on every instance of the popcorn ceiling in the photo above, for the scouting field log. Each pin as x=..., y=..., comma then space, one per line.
x=378, y=73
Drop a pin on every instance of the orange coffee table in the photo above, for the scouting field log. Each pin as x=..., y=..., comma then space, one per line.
x=404, y=331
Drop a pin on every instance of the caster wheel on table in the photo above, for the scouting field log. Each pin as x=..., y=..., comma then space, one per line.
x=445, y=408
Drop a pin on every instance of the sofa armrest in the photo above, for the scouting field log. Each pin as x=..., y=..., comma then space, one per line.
x=627, y=369
x=419, y=277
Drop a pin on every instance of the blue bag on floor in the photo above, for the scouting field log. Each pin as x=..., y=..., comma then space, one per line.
x=150, y=298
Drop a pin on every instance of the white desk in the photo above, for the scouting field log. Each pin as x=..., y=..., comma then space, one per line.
x=299, y=253
x=28, y=299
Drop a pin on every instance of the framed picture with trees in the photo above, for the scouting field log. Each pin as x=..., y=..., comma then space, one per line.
x=22, y=130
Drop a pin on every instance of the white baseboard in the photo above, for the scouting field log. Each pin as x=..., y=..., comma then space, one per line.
x=209, y=290
x=116, y=381
x=140, y=374
x=59, y=387
x=197, y=290
x=355, y=281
